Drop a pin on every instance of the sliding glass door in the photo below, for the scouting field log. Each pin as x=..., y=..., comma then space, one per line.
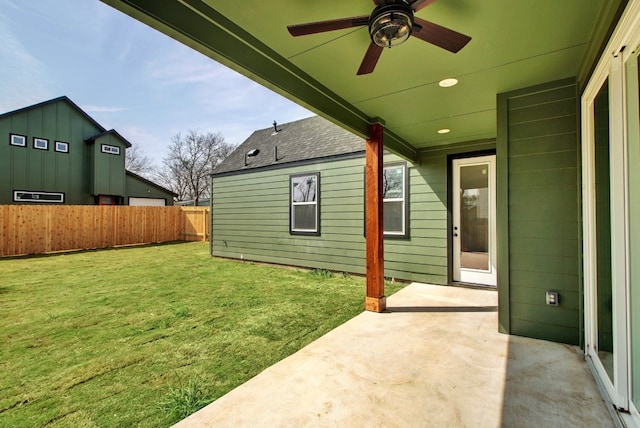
x=610, y=172
x=603, y=291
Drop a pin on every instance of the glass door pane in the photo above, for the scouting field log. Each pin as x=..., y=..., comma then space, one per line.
x=604, y=295
x=474, y=217
x=474, y=220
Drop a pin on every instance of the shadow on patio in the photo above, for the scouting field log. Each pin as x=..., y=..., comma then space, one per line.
x=435, y=358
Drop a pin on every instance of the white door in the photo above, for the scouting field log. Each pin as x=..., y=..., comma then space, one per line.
x=474, y=220
x=147, y=202
x=610, y=133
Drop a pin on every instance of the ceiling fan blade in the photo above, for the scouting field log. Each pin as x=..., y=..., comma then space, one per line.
x=438, y=35
x=416, y=5
x=323, y=26
x=370, y=59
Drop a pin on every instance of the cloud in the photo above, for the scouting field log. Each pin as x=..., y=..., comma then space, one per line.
x=23, y=78
x=101, y=109
x=182, y=68
x=147, y=139
x=185, y=90
x=218, y=92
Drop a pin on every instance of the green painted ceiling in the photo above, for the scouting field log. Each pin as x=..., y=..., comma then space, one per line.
x=514, y=44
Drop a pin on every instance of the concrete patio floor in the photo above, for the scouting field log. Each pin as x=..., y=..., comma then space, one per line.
x=434, y=359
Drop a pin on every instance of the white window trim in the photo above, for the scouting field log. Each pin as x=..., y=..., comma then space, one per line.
x=293, y=204
x=403, y=199
x=16, y=199
x=23, y=137
x=37, y=140
x=65, y=144
x=112, y=150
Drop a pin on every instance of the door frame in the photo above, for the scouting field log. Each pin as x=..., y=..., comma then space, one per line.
x=622, y=47
x=616, y=387
x=450, y=213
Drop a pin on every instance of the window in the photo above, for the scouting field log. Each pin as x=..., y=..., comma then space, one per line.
x=107, y=200
x=45, y=197
x=112, y=150
x=394, y=198
x=18, y=140
x=304, y=204
x=62, y=147
x=40, y=143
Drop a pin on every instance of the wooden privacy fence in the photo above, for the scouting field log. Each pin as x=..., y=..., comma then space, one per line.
x=196, y=223
x=32, y=229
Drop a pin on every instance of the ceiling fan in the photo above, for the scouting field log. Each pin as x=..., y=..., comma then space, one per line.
x=391, y=23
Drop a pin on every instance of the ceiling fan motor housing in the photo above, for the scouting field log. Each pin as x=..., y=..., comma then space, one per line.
x=391, y=24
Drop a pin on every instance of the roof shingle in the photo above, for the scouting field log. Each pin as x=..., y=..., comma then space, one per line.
x=302, y=140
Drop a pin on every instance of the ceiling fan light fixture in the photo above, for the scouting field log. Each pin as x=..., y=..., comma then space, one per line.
x=391, y=25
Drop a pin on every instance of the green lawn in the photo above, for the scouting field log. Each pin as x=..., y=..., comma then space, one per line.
x=125, y=337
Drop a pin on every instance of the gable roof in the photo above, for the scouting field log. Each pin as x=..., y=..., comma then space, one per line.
x=149, y=182
x=64, y=98
x=53, y=101
x=112, y=132
x=313, y=138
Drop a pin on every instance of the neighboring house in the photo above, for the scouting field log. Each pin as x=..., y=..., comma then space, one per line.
x=190, y=203
x=297, y=197
x=55, y=153
x=525, y=174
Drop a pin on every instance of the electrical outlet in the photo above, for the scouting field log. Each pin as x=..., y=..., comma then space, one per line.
x=553, y=298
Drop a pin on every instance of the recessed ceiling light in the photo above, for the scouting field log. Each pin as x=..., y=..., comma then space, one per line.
x=444, y=131
x=447, y=83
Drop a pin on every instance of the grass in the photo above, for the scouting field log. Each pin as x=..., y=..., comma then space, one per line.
x=140, y=336
x=185, y=400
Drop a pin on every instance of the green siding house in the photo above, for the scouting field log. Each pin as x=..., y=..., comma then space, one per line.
x=57, y=154
x=523, y=176
x=256, y=215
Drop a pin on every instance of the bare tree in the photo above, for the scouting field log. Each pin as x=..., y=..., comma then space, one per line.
x=392, y=182
x=192, y=157
x=138, y=162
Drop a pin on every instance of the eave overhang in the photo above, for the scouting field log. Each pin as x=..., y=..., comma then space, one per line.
x=201, y=27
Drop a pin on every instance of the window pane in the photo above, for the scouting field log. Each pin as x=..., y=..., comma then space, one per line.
x=18, y=140
x=304, y=217
x=40, y=143
x=304, y=188
x=62, y=147
x=392, y=180
x=603, y=230
x=474, y=217
x=393, y=216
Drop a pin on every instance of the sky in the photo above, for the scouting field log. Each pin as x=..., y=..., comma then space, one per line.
x=126, y=76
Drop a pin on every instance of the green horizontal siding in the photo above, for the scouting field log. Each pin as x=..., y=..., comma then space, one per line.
x=539, y=152
x=250, y=218
x=537, y=328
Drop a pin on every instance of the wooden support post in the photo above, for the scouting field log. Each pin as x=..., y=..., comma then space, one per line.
x=375, y=300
